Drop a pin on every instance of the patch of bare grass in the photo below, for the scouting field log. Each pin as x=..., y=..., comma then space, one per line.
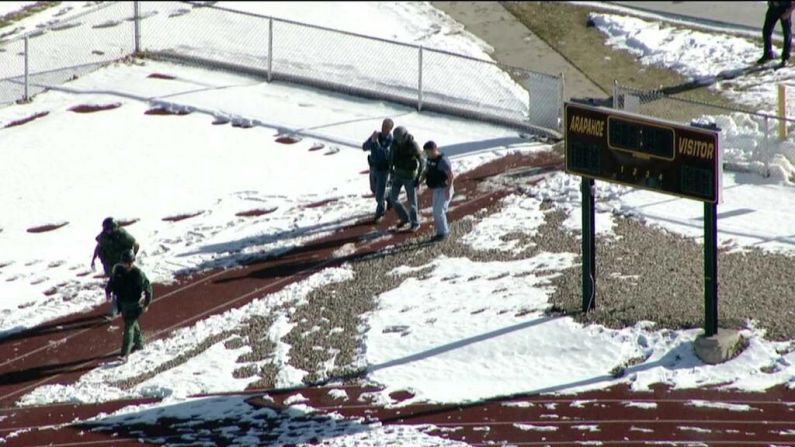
x=564, y=27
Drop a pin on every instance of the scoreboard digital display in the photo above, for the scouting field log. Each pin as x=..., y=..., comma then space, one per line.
x=657, y=155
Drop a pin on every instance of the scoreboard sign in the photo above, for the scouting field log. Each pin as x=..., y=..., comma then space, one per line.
x=632, y=150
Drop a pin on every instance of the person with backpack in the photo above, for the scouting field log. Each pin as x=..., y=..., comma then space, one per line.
x=406, y=163
x=378, y=144
x=112, y=242
x=439, y=177
x=130, y=285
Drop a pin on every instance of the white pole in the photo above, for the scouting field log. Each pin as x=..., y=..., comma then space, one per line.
x=419, y=82
x=27, y=69
x=270, y=49
x=782, y=111
x=562, y=100
x=137, y=26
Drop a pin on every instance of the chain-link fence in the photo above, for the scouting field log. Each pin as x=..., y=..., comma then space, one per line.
x=749, y=139
x=428, y=79
x=214, y=36
x=65, y=50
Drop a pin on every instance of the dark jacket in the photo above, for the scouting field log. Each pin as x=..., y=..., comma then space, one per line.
x=379, y=151
x=406, y=158
x=128, y=286
x=112, y=245
x=436, y=172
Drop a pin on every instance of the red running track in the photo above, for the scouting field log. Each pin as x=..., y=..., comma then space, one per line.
x=61, y=351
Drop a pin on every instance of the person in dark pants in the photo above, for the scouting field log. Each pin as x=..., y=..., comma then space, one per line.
x=406, y=162
x=129, y=284
x=439, y=178
x=777, y=11
x=378, y=144
x=112, y=242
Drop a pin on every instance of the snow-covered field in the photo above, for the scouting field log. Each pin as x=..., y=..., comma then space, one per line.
x=75, y=169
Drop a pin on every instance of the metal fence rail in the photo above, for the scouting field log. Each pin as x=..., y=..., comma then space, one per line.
x=740, y=124
x=65, y=50
x=210, y=35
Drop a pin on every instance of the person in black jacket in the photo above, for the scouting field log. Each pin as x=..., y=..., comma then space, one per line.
x=777, y=11
x=130, y=285
x=378, y=144
x=439, y=178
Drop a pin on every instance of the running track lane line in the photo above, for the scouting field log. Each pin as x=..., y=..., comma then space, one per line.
x=62, y=340
x=699, y=422
x=257, y=290
x=187, y=286
x=343, y=407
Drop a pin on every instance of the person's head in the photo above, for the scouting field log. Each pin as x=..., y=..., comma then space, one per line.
x=386, y=126
x=430, y=148
x=109, y=224
x=127, y=259
x=400, y=133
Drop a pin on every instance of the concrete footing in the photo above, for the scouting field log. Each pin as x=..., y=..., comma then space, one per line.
x=719, y=347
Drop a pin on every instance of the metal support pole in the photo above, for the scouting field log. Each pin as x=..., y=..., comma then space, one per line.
x=26, y=96
x=782, y=111
x=270, y=49
x=615, y=93
x=419, y=82
x=710, y=269
x=588, y=245
x=137, y=26
x=766, y=156
x=562, y=101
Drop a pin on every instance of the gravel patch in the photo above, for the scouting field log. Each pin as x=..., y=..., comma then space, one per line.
x=643, y=274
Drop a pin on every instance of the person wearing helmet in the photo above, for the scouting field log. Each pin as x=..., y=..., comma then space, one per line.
x=111, y=243
x=406, y=162
x=130, y=286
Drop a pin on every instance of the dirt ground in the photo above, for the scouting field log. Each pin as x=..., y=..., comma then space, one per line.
x=565, y=28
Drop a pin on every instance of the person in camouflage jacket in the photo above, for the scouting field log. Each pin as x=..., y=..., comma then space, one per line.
x=111, y=243
x=406, y=162
x=130, y=285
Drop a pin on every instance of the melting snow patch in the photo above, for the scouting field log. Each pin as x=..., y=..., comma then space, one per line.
x=528, y=427
x=722, y=405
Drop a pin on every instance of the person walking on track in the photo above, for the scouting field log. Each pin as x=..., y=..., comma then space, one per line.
x=378, y=144
x=406, y=163
x=130, y=285
x=777, y=11
x=111, y=243
x=439, y=178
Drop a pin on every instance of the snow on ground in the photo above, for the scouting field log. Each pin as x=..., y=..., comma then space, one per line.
x=147, y=167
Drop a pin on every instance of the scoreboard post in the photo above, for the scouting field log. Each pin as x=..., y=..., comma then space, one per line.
x=656, y=155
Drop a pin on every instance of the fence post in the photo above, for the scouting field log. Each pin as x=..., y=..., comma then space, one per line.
x=137, y=26
x=615, y=93
x=26, y=97
x=419, y=83
x=782, y=111
x=270, y=49
x=766, y=155
x=562, y=100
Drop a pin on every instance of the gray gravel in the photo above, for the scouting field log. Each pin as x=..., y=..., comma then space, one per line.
x=643, y=274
